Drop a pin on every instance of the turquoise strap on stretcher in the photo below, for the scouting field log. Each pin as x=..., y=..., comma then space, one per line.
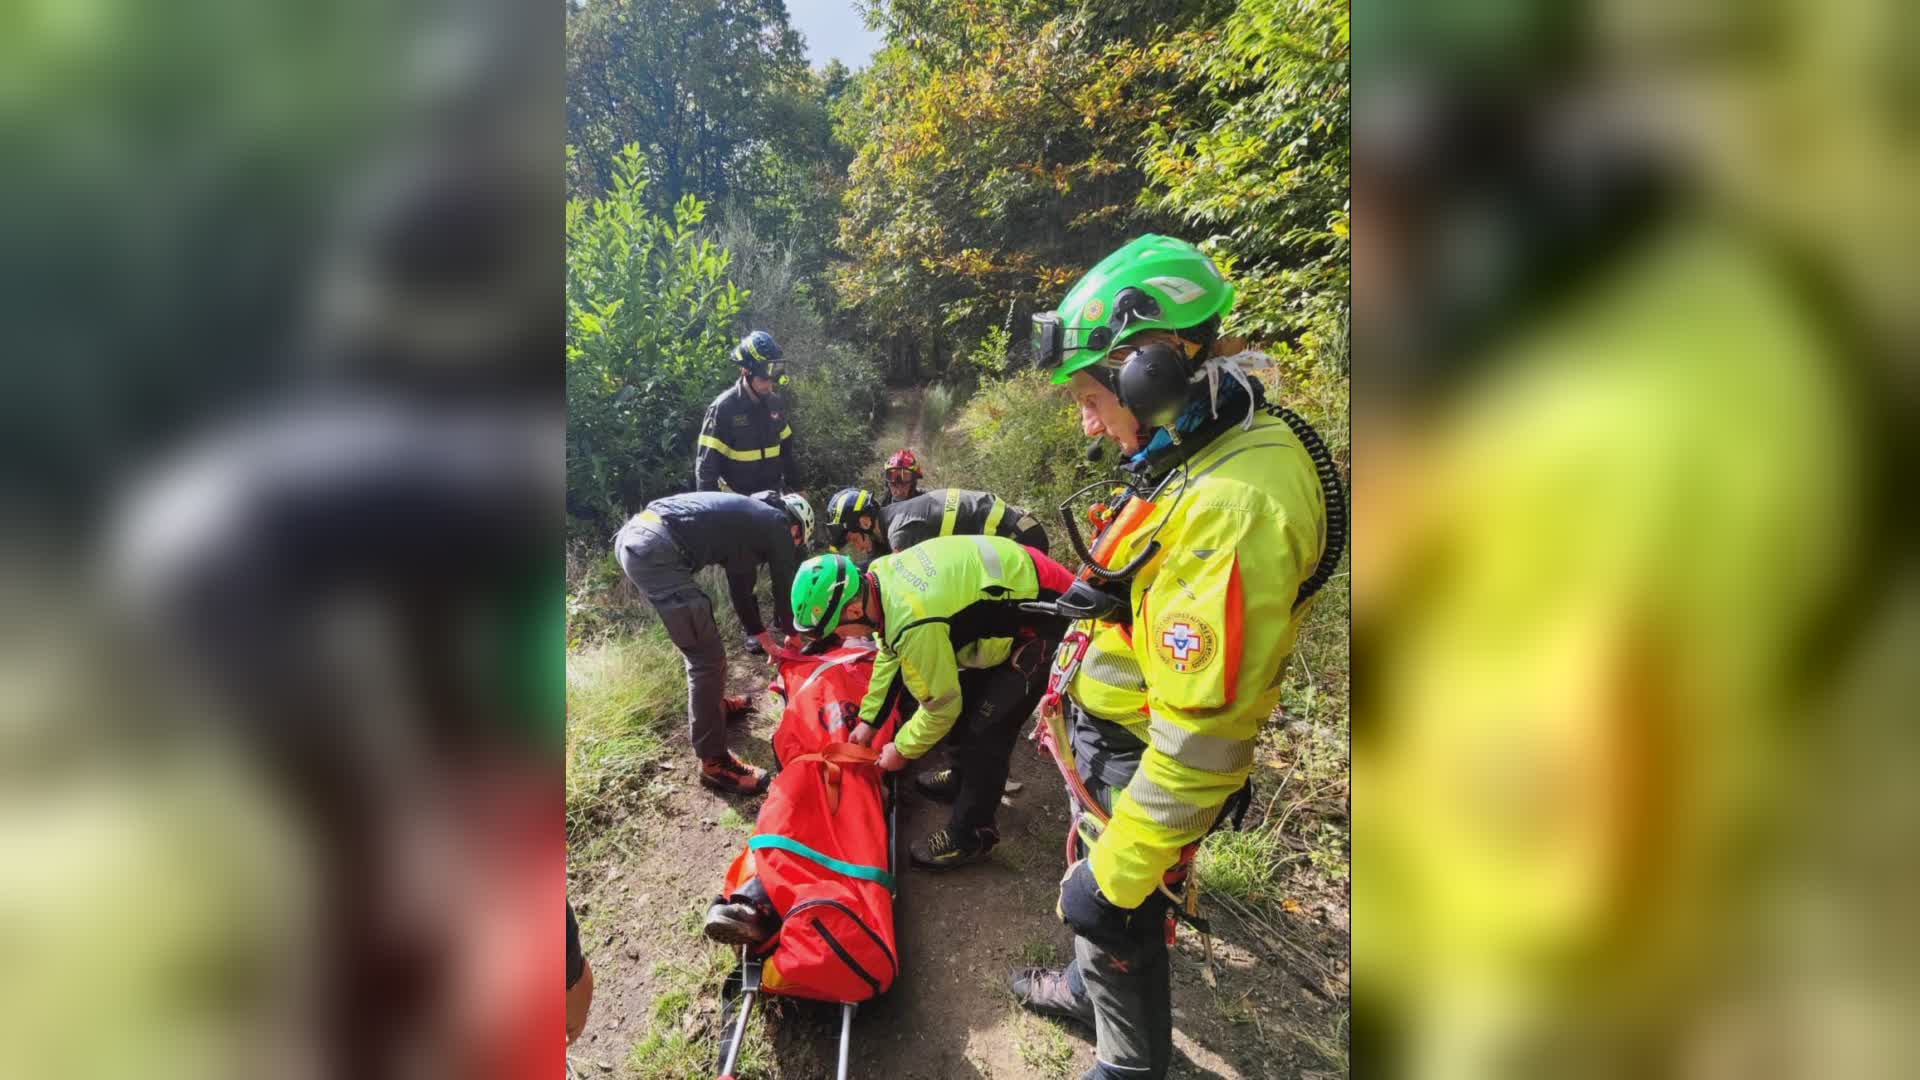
x=789, y=844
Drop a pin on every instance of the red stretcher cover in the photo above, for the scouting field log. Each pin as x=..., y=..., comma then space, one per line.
x=821, y=846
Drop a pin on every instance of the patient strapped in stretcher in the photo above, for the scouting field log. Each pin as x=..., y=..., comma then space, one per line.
x=813, y=890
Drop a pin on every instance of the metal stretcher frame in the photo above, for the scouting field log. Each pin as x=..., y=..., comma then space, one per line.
x=749, y=969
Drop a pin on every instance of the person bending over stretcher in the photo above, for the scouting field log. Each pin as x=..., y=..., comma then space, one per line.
x=947, y=620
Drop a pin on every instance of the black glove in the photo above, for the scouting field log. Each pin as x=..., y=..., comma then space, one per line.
x=1088, y=913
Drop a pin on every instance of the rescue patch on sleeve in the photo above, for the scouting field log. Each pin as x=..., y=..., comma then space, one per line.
x=1185, y=642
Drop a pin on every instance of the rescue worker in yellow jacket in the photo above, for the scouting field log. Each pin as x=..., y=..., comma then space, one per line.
x=1167, y=704
x=951, y=630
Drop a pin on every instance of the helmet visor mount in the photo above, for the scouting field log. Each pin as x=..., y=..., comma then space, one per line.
x=1054, y=339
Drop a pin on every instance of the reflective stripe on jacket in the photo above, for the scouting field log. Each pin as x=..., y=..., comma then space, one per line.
x=745, y=445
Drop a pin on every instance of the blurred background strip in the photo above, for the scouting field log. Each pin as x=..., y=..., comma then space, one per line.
x=1634, y=608
x=281, y=621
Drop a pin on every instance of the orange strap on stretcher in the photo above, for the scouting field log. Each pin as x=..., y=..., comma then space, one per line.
x=833, y=756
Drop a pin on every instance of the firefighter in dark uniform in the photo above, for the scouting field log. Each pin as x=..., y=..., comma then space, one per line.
x=664, y=546
x=856, y=519
x=903, y=475
x=746, y=442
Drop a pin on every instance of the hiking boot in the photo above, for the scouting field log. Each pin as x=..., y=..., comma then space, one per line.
x=738, y=708
x=1049, y=992
x=942, y=849
x=738, y=923
x=733, y=776
x=940, y=786
x=754, y=646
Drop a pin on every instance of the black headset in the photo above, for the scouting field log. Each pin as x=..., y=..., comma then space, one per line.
x=1153, y=383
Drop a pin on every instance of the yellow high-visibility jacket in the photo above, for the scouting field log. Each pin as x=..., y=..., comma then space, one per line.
x=1199, y=671
x=952, y=602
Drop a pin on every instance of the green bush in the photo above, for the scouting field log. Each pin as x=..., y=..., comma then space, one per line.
x=653, y=309
x=835, y=398
x=1020, y=439
x=650, y=319
x=936, y=408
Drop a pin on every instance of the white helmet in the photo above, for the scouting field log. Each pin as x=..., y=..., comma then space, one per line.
x=802, y=512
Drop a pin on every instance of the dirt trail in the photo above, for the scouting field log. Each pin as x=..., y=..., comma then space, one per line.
x=909, y=405
x=948, y=1015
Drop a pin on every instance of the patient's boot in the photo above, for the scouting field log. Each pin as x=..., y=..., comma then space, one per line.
x=737, y=922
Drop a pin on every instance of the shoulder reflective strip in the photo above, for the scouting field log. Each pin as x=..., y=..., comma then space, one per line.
x=993, y=517
x=1210, y=753
x=1236, y=453
x=1164, y=808
x=990, y=558
x=786, y=432
x=952, y=512
x=1116, y=669
x=652, y=518
x=788, y=844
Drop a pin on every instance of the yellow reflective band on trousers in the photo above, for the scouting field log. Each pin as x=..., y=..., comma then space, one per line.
x=724, y=450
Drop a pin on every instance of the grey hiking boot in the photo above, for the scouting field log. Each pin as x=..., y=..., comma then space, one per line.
x=1049, y=992
x=940, y=785
x=943, y=849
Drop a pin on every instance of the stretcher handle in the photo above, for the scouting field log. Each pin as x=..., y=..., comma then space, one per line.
x=846, y=1037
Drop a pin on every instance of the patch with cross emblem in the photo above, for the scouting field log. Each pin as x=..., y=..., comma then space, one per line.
x=1186, y=644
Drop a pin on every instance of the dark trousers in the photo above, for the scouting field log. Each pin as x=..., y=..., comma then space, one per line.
x=995, y=704
x=654, y=564
x=1130, y=985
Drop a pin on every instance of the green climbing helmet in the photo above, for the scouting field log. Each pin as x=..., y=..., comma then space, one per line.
x=822, y=589
x=1153, y=283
